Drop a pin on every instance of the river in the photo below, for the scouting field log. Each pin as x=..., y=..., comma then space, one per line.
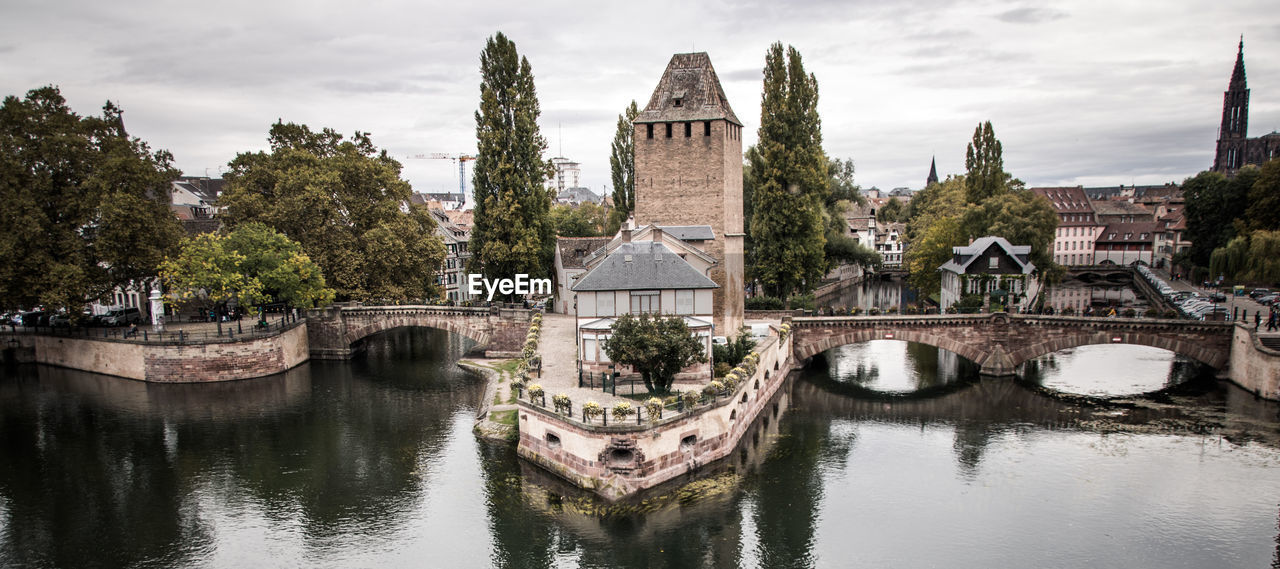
x=884, y=454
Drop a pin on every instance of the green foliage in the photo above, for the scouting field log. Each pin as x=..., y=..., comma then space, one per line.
x=892, y=211
x=85, y=208
x=1021, y=217
x=764, y=303
x=791, y=180
x=252, y=265
x=656, y=347
x=622, y=165
x=341, y=201
x=1213, y=203
x=1264, y=198
x=984, y=163
x=933, y=231
x=583, y=220
x=513, y=232
x=1252, y=257
x=735, y=350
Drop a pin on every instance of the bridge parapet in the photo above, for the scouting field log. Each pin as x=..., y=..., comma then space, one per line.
x=1001, y=342
x=335, y=332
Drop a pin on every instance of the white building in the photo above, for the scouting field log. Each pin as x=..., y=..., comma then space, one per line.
x=992, y=267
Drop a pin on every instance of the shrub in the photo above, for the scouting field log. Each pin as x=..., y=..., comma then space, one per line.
x=722, y=368
x=892, y=310
x=855, y=311
x=873, y=311
x=1068, y=311
x=535, y=390
x=764, y=303
x=713, y=388
x=1170, y=314
x=653, y=408
x=1152, y=312
x=1130, y=313
x=591, y=409
x=622, y=410
x=913, y=310
x=561, y=402
x=691, y=397
x=806, y=302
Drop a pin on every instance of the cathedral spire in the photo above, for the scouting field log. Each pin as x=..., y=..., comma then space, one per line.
x=1238, y=82
x=933, y=172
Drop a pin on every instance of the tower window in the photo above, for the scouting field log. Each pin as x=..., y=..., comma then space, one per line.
x=649, y=130
x=688, y=130
x=668, y=130
x=678, y=103
x=706, y=128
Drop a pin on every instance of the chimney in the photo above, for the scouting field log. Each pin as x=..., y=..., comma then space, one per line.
x=657, y=234
x=626, y=235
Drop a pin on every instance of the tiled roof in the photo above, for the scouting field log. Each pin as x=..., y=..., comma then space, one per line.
x=1129, y=232
x=689, y=232
x=1020, y=253
x=688, y=91
x=574, y=250
x=640, y=266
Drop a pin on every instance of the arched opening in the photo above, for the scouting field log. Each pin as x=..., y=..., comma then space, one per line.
x=893, y=368
x=689, y=442
x=621, y=457
x=1112, y=370
x=553, y=441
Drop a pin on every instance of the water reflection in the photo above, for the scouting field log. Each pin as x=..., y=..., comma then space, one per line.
x=1077, y=295
x=1109, y=370
x=882, y=293
x=895, y=367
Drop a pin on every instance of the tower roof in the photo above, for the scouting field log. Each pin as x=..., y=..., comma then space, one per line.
x=1238, y=81
x=933, y=172
x=688, y=91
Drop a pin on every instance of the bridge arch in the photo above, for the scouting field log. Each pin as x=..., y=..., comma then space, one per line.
x=359, y=329
x=1195, y=350
x=806, y=350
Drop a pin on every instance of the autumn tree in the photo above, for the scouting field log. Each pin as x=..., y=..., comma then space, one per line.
x=892, y=211
x=791, y=180
x=656, y=347
x=344, y=202
x=513, y=232
x=622, y=167
x=85, y=207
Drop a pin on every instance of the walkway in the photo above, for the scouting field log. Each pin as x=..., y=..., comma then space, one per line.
x=559, y=364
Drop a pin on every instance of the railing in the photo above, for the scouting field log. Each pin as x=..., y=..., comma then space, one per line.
x=229, y=332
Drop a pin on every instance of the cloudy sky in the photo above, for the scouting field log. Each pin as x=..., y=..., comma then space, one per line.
x=1084, y=92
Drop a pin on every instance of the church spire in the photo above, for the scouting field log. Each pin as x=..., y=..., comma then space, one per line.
x=1233, y=151
x=1238, y=82
x=933, y=172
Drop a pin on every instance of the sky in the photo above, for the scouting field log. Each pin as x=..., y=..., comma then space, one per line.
x=1081, y=92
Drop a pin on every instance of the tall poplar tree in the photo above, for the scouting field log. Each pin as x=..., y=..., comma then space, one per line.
x=984, y=162
x=513, y=232
x=622, y=166
x=791, y=183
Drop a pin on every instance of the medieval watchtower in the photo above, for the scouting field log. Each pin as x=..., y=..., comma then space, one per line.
x=688, y=146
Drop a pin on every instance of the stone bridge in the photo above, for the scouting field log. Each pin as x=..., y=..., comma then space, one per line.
x=1001, y=342
x=335, y=332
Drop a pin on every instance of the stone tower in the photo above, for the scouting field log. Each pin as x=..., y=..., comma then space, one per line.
x=1232, y=141
x=688, y=147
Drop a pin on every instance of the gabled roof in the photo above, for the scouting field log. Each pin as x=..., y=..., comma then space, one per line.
x=574, y=250
x=688, y=91
x=689, y=232
x=1129, y=232
x=965, y=255
x=645, y=233
x=643, y=265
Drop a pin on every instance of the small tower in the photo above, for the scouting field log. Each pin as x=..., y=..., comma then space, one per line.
x=1232, y=141
x=688, y=146
x=933, y=173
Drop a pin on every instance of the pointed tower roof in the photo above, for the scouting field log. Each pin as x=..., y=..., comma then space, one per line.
x=933, y=172
x=688, y=91
x=1238, y=82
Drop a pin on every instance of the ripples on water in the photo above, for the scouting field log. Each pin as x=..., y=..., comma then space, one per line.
x=373, y=464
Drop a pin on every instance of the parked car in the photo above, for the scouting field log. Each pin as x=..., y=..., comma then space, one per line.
x=60, y=321
x=32, y=318
x=122, y=317
x=1258, y=293
x=1268, y=300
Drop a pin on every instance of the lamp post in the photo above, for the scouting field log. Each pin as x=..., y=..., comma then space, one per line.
x=157, y=309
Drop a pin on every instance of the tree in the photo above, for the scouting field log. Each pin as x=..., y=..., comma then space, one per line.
x=791, y=184
x=1022, y=218
x=622, y=167
x=656, y=347
x=933, y=228
x=343, y=201
x=513, y=232
x=583, y=220
x=892, y=211
x=1264, y=198
x=252, y=265
x=85, y=208
x=984, y=162
x=1213, y=203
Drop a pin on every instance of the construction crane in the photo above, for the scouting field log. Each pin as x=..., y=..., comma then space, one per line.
x=461, y=159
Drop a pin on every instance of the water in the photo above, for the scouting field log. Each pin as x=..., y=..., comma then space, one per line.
x=372, y=463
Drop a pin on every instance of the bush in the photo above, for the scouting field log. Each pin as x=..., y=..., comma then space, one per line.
x=892, y=310
x=806, y=302
x=622, y=410
x=737, y=348
x=1152, y=312
x=913, y=310
x=591, y=409
x=722, y=368
x=1130, y=313
x=764, y=303
x=855, y=311
x=1170, y=314
x=1068, y=311
x=691, y=398
x=873, y=311
x=653, y=408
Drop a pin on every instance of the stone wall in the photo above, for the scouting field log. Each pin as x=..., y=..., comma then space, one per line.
x=336, y=331
x=174, y=362
x=619, y=460
x=1253, y=366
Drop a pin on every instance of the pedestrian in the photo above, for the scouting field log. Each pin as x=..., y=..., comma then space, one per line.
x=1273, y=321
x=1257, y=319
x=133, y=330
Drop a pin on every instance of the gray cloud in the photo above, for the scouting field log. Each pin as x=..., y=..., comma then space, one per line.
x=1030, y=15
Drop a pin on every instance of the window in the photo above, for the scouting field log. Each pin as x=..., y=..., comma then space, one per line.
x=589, y=348
x=677, y=103
x=644, y=301
x=649, y=131
x=684, y=302
x=604, y=303
x=604, y=340
x=668, y=130
x=993, y=263
x=688, y=129
x=706, y=128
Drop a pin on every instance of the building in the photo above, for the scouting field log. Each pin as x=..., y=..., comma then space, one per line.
x=570, y=260
x=638, y=277
x=1126, y=244
x=688, y=171
x=1078, y=226
x=566, y=174
x=994, y=268
x=453, y=273
x=578, y=195
x=1235, y=149
x=889, y=243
